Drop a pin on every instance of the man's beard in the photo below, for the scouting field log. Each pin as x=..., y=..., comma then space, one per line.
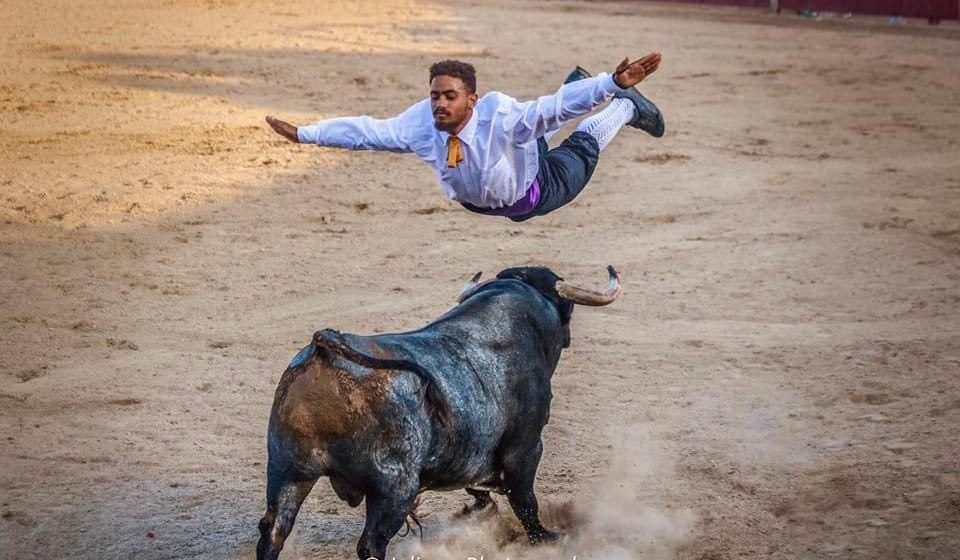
x=443, y=127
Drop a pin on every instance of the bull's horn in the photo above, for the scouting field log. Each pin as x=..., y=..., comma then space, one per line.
x=591, y=297
x=468, y=288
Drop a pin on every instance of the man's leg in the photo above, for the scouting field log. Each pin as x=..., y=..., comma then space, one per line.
x=607, y=123
x=566, y=169
x=564, y=172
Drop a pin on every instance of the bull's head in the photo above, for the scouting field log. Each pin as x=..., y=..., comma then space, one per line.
x=554, y=288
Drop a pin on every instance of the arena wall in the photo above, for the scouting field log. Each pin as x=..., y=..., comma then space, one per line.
x=937, y=9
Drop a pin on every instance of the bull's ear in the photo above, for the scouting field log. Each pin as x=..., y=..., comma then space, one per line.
x=470, y=287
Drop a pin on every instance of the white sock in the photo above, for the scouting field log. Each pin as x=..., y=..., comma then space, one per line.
x=607, y=123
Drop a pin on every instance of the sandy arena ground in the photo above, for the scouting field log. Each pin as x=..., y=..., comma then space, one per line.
x=779, y=379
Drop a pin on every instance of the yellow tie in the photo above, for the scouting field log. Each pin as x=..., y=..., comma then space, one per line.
x=454, y=155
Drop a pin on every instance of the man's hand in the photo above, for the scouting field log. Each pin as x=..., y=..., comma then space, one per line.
x=283, y=128
x=629, y=74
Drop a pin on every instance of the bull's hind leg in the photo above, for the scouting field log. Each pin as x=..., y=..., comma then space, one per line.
x=481, y=500
x=385, y=516
x=519, y=471
x=284, y=497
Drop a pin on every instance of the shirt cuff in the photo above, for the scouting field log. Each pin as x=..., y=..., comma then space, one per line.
x=609, y=86
x=307, y=134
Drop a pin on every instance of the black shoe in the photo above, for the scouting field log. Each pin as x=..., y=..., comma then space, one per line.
x=648, y=117
x=578, y=73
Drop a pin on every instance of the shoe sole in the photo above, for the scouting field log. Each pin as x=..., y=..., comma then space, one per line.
x=578, y=73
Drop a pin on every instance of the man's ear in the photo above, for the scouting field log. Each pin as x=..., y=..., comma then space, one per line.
x=472, y=101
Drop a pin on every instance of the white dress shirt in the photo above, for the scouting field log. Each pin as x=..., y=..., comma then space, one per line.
x=498, y=143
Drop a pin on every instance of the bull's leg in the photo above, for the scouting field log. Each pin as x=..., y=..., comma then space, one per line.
x=284, y=497
x=519, y=471
x=385, y=515
x=481, y=500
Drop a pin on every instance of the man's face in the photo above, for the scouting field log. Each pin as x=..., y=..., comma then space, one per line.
x=451, y=102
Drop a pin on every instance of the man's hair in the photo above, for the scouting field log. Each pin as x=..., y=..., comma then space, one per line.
x=456, y=69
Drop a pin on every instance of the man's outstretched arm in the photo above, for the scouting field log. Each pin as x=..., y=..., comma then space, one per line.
x=534, y=118
x=360, y=133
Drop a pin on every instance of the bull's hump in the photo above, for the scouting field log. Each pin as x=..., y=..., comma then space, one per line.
x=330, y=401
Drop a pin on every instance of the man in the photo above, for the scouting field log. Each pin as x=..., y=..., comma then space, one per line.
x=490, y=154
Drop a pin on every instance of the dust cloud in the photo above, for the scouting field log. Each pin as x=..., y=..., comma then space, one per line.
x=620, y=516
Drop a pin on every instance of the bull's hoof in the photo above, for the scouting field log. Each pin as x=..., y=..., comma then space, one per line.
x=477, y=507
x=545, y=537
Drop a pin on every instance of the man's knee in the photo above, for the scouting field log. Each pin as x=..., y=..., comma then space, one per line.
x=585, y=147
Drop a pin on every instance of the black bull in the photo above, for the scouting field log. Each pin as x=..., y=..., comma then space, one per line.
x=458, y=404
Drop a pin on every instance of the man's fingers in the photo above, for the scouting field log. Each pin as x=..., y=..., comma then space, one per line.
x=650, y=63
x=277, y=124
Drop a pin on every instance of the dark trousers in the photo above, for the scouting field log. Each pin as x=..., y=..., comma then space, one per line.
x=564, y=172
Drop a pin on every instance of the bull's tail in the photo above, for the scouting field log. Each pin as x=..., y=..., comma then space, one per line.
x=332, y=341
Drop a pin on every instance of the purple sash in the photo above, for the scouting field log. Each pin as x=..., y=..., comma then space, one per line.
x=521, y=207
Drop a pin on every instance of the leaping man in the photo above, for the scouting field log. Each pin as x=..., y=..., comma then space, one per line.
x=490, y=153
